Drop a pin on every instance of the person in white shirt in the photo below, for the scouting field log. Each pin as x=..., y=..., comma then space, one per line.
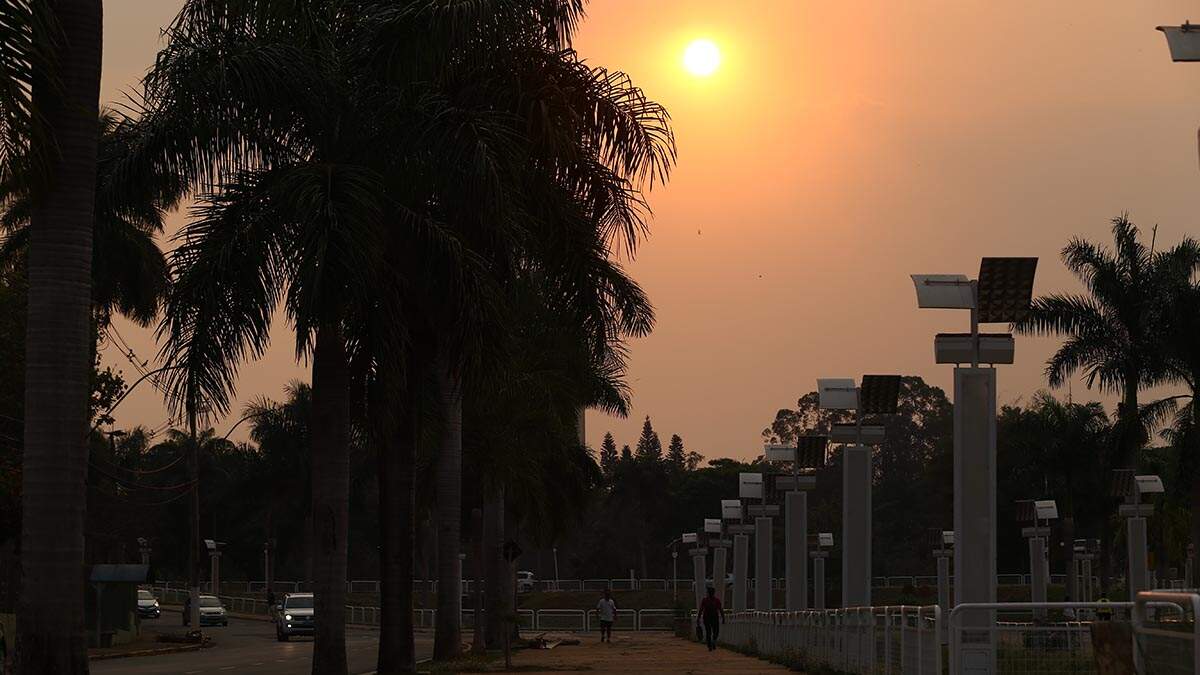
x=606, y=609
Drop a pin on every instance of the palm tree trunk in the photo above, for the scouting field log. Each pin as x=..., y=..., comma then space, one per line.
x=495, y=569
x=396, y=508
x=447, y=639
x=1131, y=428
x=330, y=499
x=50, y=635
x=193, y=474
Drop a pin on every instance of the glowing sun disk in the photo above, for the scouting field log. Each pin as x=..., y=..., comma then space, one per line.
x=701, y=58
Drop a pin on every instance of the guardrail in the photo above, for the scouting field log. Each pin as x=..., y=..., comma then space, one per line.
x=1028, y=637
x=897, y=640
x=1167, y=642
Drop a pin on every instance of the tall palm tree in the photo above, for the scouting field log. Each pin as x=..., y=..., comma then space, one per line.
x=1182, y=350
x=1112, y=333
x=58, y=345
x=129, y=271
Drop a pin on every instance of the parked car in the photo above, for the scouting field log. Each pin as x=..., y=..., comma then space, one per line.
x=525, y=582
x=212, y=612
x=294, y=616
x=147, y=605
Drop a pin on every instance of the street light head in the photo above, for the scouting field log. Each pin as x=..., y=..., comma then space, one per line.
x=943, y=291
x=956, y=348
x=1005, y=288
x=1148, y=485
x=838, y=393
x=689, y=538
x=825, y=539
x=1046, y=509
x=948, y=538
x=779, y=453
x=731, y=509
x=210, y=544
x=1183, y=41
x=750, y=485
x=712, y=526
x=879, y=394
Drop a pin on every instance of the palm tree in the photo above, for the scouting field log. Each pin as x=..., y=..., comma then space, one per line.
x=1182, y=348
x=1112, y=333
x=58, y=342
x=129, y=271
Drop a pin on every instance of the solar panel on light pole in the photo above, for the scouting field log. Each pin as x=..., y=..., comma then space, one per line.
x=1000, y=294
x=877, y=395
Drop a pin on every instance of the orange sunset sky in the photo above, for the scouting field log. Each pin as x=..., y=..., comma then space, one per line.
x=840, y=147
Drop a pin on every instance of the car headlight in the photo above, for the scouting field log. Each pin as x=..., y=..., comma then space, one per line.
x=156, y=603
x=287, y=617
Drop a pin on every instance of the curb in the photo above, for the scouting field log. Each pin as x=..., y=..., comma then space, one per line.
x=146, y=652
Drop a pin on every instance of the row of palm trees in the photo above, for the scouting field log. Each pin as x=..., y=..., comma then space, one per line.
x=433, y=193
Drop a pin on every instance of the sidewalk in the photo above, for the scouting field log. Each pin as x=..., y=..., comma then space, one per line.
x=643, y=652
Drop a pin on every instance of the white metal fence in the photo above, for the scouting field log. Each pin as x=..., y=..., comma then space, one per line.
x=1056, y=637
x=1166, y=633
x=893, y=640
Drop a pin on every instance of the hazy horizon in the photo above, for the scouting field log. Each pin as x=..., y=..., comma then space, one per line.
x=837, y=150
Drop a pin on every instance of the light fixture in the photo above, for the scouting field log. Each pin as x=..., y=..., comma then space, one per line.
x=1183, y=41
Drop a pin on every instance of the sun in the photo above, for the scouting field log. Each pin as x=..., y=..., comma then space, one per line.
x=702, y=58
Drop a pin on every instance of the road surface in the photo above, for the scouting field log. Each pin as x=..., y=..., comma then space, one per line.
x=247, y=646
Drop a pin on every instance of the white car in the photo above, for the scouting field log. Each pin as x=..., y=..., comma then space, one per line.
x=525, y=581
x=294, y=616
x=147, y=605
x=212, y=612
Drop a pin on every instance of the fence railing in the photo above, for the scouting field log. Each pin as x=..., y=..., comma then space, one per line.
x=894, y=640
x=1007, y=636
x=1167, y=641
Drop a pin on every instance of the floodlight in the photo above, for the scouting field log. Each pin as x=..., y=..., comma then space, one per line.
x=210, y=544
x=750, y=485
x=943, y=291
x=948, y=537
x=868, y=434
x=1122, y=483
x=762, y=509
x=1183, y=41
x=712, y=526
x=689, y=538
x=731, y=509
x=1005, y=289
x=825, y=539
x=878, y=394
x=1147, y=485
x=955, y=348
x=1046, y=509
x=784, y=482
x=779, y=453
x=837, y=394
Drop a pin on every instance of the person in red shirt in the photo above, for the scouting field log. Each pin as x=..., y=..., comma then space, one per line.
x=711, y=614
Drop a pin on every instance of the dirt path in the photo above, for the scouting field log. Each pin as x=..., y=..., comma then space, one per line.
x=631, y=653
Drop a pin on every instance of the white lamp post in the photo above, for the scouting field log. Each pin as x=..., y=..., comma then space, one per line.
x=144, y=550
x=698, y=554
x=1040, y=513
x=820, y=553
x=808, y=455
x=876, y=396
x=1133, y=488
x=943, y=551
x=1001, y=294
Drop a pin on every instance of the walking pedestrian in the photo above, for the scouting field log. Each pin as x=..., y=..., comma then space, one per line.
x=711, y=614
x=606, y=609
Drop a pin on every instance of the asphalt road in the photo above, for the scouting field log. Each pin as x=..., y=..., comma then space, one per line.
x=247, y=646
